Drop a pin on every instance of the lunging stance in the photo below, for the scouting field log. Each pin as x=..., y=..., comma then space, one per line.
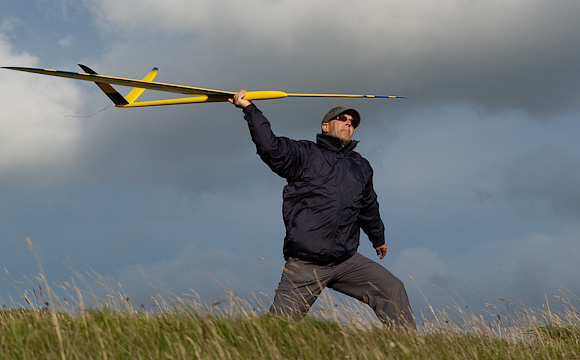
x=329, y=197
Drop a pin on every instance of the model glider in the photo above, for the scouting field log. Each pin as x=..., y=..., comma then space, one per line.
x=199, y=95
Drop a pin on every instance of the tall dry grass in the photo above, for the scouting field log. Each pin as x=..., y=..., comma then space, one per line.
x=90, y=317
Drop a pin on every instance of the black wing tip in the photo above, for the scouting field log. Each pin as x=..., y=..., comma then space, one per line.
x=87, y=69
x=14, y=67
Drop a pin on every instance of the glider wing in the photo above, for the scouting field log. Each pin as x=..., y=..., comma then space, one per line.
x=179, y=89
x=105, y=83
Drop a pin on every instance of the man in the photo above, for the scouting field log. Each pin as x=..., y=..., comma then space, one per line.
x=328, y=199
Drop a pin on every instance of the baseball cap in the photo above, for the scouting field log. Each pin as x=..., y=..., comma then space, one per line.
x=334, y=112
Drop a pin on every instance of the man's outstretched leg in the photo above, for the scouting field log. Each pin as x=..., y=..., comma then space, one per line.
x=371, y=283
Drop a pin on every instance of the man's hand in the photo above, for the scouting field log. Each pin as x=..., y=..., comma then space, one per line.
x=381, y=251
x=238, y=99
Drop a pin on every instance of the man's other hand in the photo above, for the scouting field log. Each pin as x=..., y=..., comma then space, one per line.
x=381, y=251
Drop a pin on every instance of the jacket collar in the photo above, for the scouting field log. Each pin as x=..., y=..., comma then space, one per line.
x=334, y=144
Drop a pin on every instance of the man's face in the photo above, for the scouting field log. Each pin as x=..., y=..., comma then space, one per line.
x=339, y=127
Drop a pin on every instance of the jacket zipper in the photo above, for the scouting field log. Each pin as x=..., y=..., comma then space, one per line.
x=339, y=210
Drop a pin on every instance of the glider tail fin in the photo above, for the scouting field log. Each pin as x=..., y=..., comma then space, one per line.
x=114, y=95
x=108, y=89
x=136, y=92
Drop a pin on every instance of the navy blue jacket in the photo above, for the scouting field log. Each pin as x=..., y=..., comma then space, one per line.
x=329, y=196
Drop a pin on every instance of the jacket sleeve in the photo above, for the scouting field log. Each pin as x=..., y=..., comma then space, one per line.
x=369, y=217
x=283, y=155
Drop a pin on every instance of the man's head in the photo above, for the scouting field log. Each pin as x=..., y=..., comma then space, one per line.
x=340, y=123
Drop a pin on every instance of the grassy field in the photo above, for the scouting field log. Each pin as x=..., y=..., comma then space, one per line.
x=236, y=329
x=63, y=321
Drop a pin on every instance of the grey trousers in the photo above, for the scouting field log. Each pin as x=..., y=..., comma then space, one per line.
x=358, y=277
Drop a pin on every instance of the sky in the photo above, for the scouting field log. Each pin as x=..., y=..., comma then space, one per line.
x=477, y=170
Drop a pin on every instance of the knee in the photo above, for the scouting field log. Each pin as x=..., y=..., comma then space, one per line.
x=393, y=288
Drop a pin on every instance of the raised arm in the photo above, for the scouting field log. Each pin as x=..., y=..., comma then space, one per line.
x=284, y=156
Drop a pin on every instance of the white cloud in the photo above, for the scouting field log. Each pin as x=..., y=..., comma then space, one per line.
x=531, y=265
x=528, y=269
x=422, y=264
x=34, y=131
x=65, y=42
x=8, y=24
x=230, y=246
x=208, y=270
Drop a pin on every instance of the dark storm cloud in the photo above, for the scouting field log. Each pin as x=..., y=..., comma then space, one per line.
x=546, y=180
x=522, y=57
x=508, y=56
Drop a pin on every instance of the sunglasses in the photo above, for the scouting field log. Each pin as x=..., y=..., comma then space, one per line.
x=342, y=118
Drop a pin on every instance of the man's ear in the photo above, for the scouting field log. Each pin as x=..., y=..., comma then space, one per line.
x=324, y=128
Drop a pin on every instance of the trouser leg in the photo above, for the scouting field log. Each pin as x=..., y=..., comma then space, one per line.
x=301, y=284
x=371, y=283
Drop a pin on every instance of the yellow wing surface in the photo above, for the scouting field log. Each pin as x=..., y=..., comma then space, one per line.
x=200, y=95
